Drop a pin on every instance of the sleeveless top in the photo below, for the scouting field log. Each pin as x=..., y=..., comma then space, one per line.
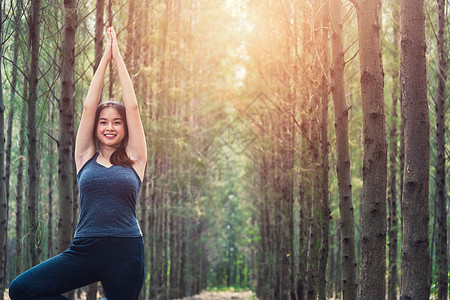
x=107, y=200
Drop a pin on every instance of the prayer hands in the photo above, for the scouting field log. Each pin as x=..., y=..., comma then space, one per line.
x=108, y=50
x=112, y=47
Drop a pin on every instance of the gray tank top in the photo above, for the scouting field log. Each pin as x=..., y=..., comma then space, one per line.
x=107, y=201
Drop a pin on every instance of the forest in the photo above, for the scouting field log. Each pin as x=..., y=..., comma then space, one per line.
x=296, y=148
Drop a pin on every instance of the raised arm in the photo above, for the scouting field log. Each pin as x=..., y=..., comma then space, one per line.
x=137, y=146
x=85, y=144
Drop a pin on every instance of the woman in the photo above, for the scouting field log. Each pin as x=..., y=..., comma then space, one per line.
x=110, y=157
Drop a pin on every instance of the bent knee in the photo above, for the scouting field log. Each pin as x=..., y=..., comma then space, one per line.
x=18, y=289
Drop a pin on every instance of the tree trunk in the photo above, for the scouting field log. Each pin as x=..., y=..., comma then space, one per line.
x=19, y=189
x=264, y=276
x=347, y=220
x=143, y=196
x=415, y=249
x=441, y=205
x=65, y=149
x=314, y=194
x=3, y=201
x=12, y=104
x=137, y=53
x=373, y=211
x=331, y=270
x=153, y=223
x=339, y=271
x=285, y=186
x=165, y=242
x=8, y=149
x=393, y=170
x=99, y=27
x=8, y=170
x=325, y=207
x=182, y=283
x=33, y=163
x=172, y=244
x=51, y=170
x=128, y=55
x=303, y=200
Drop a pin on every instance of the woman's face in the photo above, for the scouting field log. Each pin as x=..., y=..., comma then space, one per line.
x=110, y=128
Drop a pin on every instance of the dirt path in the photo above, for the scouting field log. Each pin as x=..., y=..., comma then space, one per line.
x=223, y=296
x=208, y=296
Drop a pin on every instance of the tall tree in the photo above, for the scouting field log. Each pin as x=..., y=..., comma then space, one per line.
x=347, y=220
x=415, y=249
x=51, y=170
x=17, y=26
x=3, y=201
x=441, y=193
x=393, y=164
x=33, y=163
x=19, y=189
x=99, y=27
x=18, y=9
x=325, y=207
x=66, y=127
x=373, y=207
x=128, y=55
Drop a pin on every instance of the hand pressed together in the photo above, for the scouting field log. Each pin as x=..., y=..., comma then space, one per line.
x=112, y=51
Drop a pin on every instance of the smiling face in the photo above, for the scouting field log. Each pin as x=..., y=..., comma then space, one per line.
x=110, y=128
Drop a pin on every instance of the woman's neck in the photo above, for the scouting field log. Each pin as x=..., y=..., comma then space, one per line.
x=106, y=152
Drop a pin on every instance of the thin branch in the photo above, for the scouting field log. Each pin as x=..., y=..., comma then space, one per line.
x=351, y=58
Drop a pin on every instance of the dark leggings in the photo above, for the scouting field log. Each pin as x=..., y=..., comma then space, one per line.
x=117, y=262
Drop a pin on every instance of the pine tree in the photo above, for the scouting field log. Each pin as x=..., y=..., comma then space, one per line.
x=347, y=221
x=415, y=250
x=441, y=192
x=66, y=125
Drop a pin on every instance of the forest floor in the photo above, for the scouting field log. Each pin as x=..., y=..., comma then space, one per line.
x=206, y=295
x=226, y=295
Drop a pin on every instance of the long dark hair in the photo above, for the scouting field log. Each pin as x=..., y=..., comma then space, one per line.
x=120, y=156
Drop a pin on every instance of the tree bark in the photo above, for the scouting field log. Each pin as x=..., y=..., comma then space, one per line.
x=347, y=220
x=325, y=207
x=99, y=27
x=12, y=104
x=128, y=55
x=19, y=189
x=8, y=171
x=441, y=204
x=314, y=193
x=303, y=232
x=415, y=249
x=373, y=211
x=66, y=117
x=33, y=163
x=51, y=170
x=3, y=201
x=143, y=196
x=393, y=170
